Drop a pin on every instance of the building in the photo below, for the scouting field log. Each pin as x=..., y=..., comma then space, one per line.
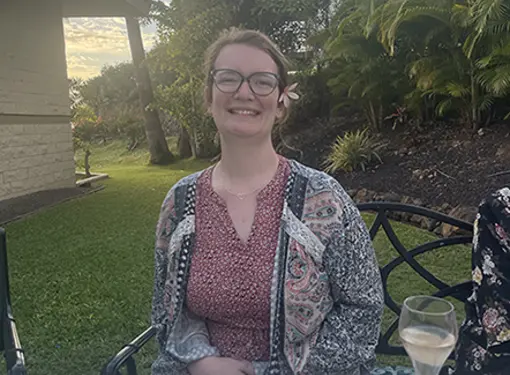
x=36, y=150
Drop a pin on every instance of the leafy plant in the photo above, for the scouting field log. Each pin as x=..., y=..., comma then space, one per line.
x=353, y=151
x=363, y=71
x=84, y=122
x=399, y=117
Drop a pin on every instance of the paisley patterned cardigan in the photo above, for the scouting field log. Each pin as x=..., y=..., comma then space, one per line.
x=324, y=319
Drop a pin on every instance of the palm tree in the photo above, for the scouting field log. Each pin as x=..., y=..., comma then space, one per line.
x=362, y=69
x=446, y=52
x=491, y=23
x=158, y=147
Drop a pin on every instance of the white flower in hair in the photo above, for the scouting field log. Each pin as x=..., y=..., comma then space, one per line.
x=288, y=94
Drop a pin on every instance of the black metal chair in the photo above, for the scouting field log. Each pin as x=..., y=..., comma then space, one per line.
x=383, y=211
x=460, y=291
x=10, y=344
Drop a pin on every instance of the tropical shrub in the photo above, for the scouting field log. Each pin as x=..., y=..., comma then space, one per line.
x=355, y=150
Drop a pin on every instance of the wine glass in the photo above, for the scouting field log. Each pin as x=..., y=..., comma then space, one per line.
x=428, y=330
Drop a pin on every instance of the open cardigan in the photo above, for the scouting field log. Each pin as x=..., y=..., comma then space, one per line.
x=323, y=321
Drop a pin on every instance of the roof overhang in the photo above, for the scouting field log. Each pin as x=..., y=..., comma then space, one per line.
x=105, y=8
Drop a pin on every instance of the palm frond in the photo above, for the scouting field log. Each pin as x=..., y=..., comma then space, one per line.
x=461, y=15
x=444, y=106
x=369, y=88
x=407, y=14
x=500, y=83
x=485, y=10
x=484, y=62
x=470, y=43
x=355, y=89
x=457, y=90
x=486, y=103
x=352, y=18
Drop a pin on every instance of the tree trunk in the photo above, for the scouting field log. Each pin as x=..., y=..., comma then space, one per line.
x=87, y=163
x=426, y=112
x=193, y=142
x=475, y=121
x=158, y=146
x=372, y=116
x=184, y=144
x=380, y=119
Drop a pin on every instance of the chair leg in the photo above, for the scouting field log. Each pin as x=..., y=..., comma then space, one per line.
x=131, y=366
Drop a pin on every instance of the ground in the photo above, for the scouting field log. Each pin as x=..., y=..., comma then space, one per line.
x=441, y=163
x=81, y=272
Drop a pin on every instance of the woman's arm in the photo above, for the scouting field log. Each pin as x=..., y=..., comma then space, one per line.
x=189, y=341
x=349, y=335
x=491, y=271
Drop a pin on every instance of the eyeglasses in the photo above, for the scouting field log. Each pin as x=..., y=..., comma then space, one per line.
x=230, y=81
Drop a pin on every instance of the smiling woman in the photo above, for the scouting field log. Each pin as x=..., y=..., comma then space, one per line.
x=262, y=264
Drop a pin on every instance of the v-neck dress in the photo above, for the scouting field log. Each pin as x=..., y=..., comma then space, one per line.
x=230, y=280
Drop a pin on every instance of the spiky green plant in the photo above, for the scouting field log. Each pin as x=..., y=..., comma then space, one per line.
x=355, y=150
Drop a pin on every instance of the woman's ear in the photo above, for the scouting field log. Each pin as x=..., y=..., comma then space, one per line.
x=279, y=113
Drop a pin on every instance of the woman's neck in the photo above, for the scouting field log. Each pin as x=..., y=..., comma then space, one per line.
x=247, y=163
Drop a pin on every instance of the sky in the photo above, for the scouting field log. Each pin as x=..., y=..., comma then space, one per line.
x=92, y=43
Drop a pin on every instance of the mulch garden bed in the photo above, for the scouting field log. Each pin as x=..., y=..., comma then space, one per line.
x=435, y=164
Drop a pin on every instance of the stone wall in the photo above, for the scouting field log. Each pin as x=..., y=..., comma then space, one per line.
x=35, y=157
x=36, y=150
x=460, y=212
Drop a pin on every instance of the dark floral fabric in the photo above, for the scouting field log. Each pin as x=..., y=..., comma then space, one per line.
x=484, y=340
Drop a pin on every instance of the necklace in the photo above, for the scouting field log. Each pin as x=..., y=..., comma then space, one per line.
x=242, y=196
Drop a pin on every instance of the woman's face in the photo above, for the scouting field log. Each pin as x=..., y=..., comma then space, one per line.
x=243, y=113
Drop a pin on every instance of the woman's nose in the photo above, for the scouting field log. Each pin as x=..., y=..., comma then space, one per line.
x=244, y=91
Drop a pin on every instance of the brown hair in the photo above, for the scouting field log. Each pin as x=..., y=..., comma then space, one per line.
x=252, y=38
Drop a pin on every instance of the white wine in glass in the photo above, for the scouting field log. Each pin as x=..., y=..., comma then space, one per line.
x=428, y=330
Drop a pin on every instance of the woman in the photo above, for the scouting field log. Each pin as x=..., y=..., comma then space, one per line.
x=484, y=340
x=263, y=266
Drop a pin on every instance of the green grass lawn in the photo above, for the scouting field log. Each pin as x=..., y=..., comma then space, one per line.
x=81, y=273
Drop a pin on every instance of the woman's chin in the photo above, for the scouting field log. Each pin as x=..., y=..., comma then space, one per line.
x=244, y=129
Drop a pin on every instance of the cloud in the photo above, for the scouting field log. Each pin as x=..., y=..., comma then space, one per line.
x=93, y=42
x=82, y=66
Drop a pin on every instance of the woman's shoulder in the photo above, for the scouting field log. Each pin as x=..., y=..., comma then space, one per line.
x=189, y=180
x=317, y=180
x=183, y=184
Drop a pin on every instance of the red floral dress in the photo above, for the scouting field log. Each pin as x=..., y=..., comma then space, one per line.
x=230, y=281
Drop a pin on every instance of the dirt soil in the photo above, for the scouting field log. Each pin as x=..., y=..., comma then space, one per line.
x=439, y=163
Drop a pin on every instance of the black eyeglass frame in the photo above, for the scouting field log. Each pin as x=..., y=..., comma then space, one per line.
x=213, y=73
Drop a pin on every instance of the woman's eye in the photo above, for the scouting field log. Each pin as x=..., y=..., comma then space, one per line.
x=227, y=79
x=264, y=82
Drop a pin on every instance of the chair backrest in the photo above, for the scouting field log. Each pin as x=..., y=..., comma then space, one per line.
x=10, y=343
x=384, y=211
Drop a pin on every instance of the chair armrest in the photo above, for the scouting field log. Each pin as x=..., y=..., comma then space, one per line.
x=14, y=354
x=125, y=355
